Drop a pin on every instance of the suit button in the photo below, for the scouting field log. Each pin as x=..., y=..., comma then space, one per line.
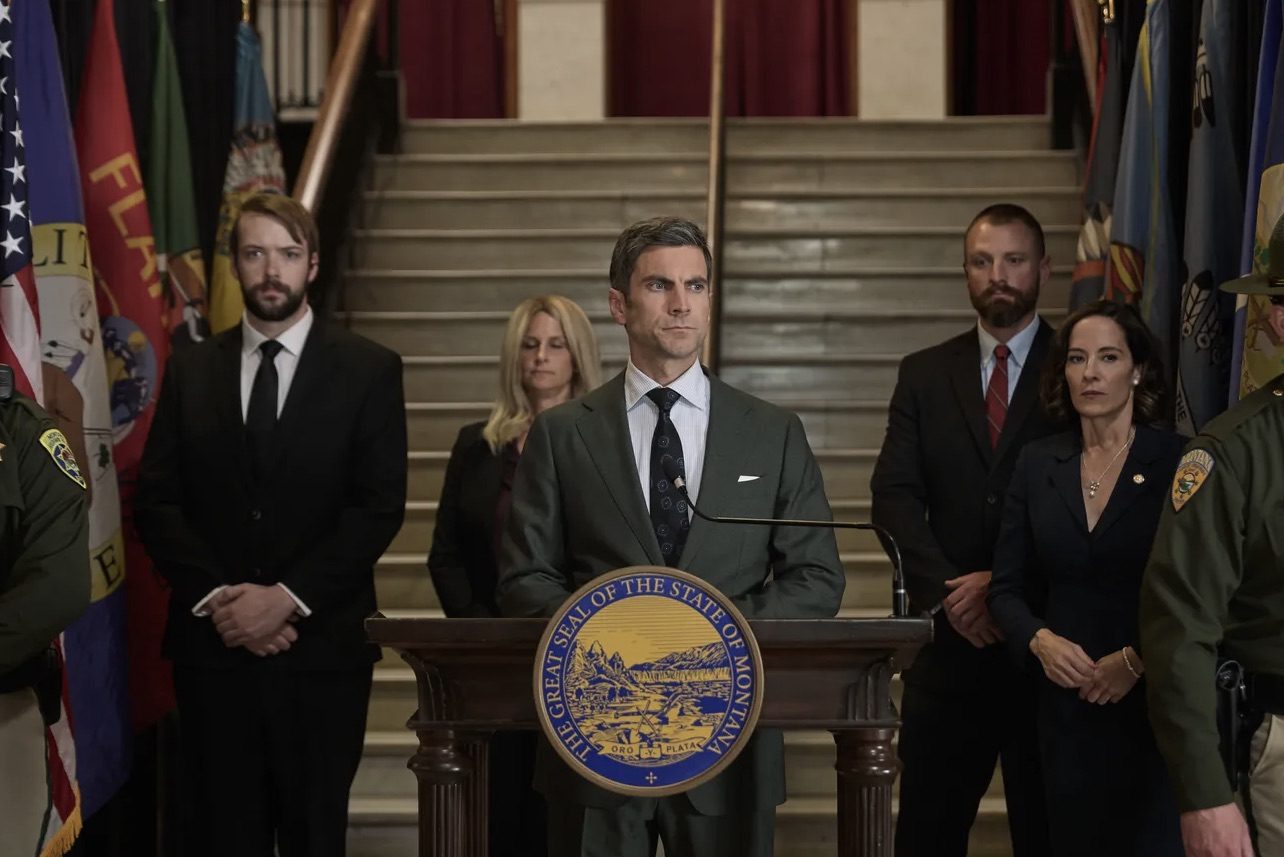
x=991, y=499
x=257, y=572
x=256, y=515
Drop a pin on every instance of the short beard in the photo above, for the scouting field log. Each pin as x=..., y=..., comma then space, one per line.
x=1000, y=314
x=293, y=301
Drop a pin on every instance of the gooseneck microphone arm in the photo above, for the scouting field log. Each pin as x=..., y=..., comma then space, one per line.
x=900, y=598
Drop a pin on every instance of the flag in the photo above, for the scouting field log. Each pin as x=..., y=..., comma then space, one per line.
x=1143, y=264
x=134, y=339
x=96, y=695
x=1089, y=277
x=19, y=306
x=1258, y=356
x=171, y=198
x=253, y=165
x=1214, y=225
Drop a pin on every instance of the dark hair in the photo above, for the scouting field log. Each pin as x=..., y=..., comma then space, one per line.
x=656, y=232
x=1150, y=396
x=1002, y=213
x=285, y=210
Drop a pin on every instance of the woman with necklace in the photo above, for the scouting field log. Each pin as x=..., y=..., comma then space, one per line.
x=1080, y=517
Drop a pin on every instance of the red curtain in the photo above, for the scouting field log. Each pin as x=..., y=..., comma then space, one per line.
x=452, y=59
x=1002, y=49
x=783, y=57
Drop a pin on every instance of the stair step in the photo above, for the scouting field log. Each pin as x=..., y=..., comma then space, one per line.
x=453, y=379
x=805, y=827
x=656, y=134
x=760, y=287
x=818, y=209
x=775, y=248
x=846, y=471
x=421, y=518
x=776, y=172
x=829, y=422
x=402, y=580
x=745, y=332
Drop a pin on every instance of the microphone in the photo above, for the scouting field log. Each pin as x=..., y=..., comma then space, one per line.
x=900, y=598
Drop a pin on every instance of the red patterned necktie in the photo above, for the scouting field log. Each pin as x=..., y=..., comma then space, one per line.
x=996, y=394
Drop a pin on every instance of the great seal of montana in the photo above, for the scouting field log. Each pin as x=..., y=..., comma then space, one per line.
x=648, y=681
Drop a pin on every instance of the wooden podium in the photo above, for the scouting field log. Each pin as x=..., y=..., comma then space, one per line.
x=475, y=675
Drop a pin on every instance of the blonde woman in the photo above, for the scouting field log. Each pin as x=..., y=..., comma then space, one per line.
x=549, y=356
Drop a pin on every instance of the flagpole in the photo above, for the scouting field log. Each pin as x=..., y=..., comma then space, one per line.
x=245, y=11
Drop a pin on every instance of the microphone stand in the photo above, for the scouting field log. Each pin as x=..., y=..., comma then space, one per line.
x=900, y=598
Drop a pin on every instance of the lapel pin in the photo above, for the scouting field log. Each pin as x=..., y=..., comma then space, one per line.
x=1138, y=479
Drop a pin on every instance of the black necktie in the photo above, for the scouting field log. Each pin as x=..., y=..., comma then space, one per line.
x=668, y=509
x=260, y=415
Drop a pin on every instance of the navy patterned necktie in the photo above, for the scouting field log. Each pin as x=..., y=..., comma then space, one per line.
x=668, y=509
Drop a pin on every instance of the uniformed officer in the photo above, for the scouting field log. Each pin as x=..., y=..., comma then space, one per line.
x=44, y=586
x=1214, y=589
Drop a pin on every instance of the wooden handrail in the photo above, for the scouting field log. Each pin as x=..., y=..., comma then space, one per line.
x=1086, y=14
x=340, y=84
x=717, y=180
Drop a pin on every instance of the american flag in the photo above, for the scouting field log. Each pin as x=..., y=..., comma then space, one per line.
x=19, y=307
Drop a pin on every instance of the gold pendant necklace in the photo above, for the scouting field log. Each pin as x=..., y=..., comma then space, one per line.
x=1094, y=485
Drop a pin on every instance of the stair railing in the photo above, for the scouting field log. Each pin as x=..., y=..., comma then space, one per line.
x=359, y=114
x=714, y=227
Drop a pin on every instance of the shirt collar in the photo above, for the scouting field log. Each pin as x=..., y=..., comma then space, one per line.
x=1019, y=344
x=292, y=340
x=692, y=385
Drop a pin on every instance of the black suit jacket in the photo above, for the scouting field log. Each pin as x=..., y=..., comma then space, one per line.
x=938, y=487
x=318, y=521
x=1051, y=571
x=462, y=558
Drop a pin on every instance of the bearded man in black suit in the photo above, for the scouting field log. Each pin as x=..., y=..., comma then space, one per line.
x=959, y=416
x=273, y=479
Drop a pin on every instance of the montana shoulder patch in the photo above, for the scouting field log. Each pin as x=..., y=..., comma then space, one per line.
x=55, y=443
x=1192, y=472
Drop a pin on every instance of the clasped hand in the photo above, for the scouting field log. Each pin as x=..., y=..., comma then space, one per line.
x=1067, y=665
x=257, y=617
x=966, y=610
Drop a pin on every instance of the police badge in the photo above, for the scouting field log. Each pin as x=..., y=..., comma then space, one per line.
x=648, y=681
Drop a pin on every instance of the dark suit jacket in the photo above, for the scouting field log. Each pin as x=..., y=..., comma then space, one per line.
x=578, y=511
x=938, y=487
x=1050, y=571
x=462, y=558
x=317, y=522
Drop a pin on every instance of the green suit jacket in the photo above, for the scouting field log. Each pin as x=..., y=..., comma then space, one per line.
x=578, y=512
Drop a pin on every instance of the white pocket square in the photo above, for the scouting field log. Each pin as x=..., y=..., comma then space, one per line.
x=744, y=478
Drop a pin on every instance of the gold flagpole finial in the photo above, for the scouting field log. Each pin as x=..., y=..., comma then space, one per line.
x=245, y=11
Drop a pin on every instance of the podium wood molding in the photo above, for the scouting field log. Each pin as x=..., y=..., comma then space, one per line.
x=474, y=676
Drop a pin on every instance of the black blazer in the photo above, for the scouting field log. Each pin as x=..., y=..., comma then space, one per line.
x=462, y=559
x=938, y=487
x=1050, y=571
x=317, y=522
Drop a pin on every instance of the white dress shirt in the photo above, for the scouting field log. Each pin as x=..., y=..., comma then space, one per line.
x=1018, y=345
x=287, y=361
x=690, y=416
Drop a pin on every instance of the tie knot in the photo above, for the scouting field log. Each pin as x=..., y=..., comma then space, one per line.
x=664, y=398
x=1001, y=353
x=270, y=348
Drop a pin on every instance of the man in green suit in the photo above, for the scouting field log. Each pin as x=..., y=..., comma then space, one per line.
x=591, y=495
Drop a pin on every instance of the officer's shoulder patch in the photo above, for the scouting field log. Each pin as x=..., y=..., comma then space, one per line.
x=55, y=443
x=1192, y=471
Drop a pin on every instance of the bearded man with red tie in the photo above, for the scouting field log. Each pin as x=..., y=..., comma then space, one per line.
x=958, y=418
